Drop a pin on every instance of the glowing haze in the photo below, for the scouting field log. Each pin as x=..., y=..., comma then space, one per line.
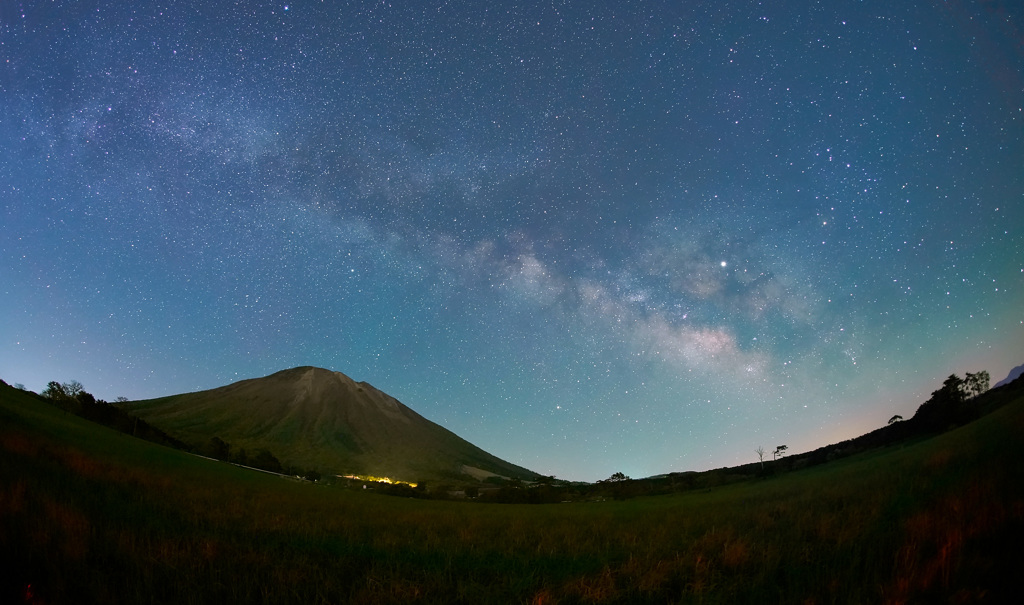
x=587, y=237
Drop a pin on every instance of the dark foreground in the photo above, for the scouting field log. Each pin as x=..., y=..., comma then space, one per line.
x=89, y=515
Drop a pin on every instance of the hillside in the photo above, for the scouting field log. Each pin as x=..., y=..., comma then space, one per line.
x=91, y=515
x=315, y=418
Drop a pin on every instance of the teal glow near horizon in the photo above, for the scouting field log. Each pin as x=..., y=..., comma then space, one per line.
x=587, y=238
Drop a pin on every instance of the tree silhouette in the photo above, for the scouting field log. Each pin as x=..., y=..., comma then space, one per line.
x=218, y=448
x=946, y=405
x=779, y=451
x=895, y=419
x=975, y=384
x=65, y=395
x=266, y=461
x=760, y=455
x=73, y=388
x=953, y=388
x=73, y=398
x=55, y=391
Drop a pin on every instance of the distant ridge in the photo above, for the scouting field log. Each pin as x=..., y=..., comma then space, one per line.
x=1014, y=374
x=318, y=419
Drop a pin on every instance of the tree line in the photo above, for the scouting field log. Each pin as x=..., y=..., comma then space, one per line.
x=264, y=460
x=73, y=398
x=954, y=404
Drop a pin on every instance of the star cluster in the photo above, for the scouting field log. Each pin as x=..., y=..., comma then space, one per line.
x=587, y=237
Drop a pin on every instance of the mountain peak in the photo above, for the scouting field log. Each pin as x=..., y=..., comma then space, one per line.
x=316, y=418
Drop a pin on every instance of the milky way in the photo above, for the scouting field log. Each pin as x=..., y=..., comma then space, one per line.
x=588, y=237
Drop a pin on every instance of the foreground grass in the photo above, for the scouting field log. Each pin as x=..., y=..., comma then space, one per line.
x=90, y=515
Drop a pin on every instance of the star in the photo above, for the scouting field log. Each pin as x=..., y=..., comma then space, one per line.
x=493, y=213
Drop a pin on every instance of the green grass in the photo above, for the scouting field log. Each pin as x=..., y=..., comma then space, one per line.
x=91, y=515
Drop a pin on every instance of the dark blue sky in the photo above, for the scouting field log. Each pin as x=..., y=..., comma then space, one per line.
x=588, y=237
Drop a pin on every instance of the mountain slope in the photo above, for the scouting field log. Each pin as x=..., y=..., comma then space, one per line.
x=315, y=418
x=1014, y=374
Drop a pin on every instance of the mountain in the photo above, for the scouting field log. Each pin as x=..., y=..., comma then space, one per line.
x=1013, y=375
x=318, y=419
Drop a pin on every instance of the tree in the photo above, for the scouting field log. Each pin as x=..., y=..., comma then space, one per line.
x=779, y=451
x=953, y=388
x=218, y=448
x=67, y=395
x=975, y=384
x=620, y=486
x=946, y=406
x=55, y=392
x=895, y=419
x=266, y=461
x=760, y=455
x=73, y=388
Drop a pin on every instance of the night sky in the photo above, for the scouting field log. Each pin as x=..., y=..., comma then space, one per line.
x=588, y=237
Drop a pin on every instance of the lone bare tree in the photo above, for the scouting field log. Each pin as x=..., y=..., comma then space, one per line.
x=760, y=455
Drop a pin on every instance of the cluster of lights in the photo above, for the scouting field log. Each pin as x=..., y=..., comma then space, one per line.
x=374, y=479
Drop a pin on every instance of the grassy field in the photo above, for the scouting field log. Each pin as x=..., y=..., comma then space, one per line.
x=89, y=515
